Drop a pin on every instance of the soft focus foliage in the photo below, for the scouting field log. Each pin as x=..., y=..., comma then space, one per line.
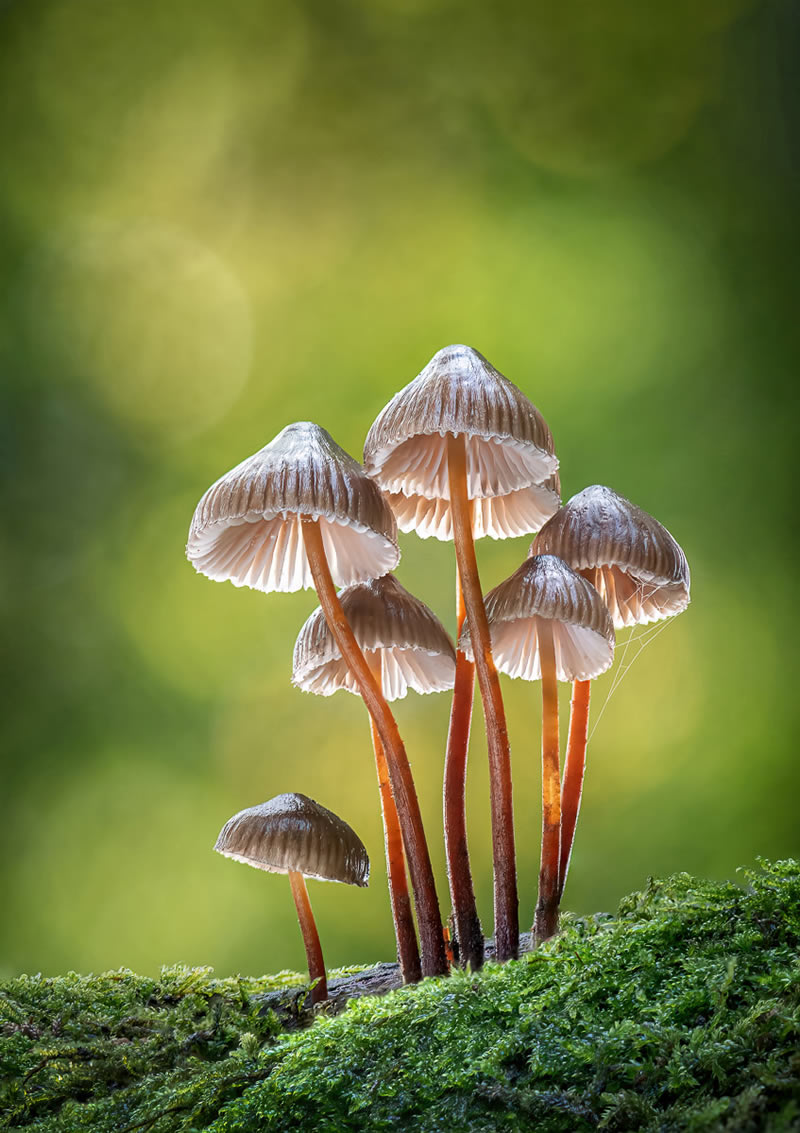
x=681, y=1013
x=216, y=219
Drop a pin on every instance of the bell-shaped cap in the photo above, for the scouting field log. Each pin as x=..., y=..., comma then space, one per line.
x=292, y=832
x=630, y=557
x=392, y=627
x=509, y=447
x=546, y=588
x=246, y=528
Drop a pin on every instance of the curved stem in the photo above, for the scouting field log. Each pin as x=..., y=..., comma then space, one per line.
x=434, y=956
x=308, y=927
x=545, y=922
x=506, y=904
x=404, y=930
x=574, y=768
x=469, y=934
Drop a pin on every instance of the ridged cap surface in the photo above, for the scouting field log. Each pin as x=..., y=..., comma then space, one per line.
x=545, y=587
x=509, y=446
x=246, y=528
x=637, y=566
x=414, y=648
x=292, y=832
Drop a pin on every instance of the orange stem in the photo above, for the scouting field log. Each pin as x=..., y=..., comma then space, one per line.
x=506, y=904
x=545, y=922
x=308, y=927
x=469, y=934
x=402, y=916
x=434, y=956
x=574, y=769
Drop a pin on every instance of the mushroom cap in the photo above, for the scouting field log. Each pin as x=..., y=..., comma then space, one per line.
x=637, y=566
x=292, y=832
x=246, y=528
x=389, y=624
x=499, y=517
x=509, y=446
x=545, y=587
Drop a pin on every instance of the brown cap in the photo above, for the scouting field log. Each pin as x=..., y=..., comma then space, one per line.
x=544, y=587
x=411, y=643
x=246, y=527
x=632, y=559
x=509, y=446
x=292, y=832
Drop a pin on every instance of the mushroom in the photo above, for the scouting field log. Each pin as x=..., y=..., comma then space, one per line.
x=301, y=513
x=406, y=646
x=463, y=452
x=642, y=574
x=548, y=623
x=295, y=835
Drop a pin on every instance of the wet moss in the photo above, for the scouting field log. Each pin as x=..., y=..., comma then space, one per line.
x=680, y=1013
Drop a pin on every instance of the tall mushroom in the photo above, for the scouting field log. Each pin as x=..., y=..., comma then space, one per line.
x=406, y=646
x=549, y=624
x=293, y=834
x=301, y=513
x=642, y=574
x=462, y=452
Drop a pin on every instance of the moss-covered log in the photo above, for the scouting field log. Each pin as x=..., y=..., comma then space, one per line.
x=680, y=1013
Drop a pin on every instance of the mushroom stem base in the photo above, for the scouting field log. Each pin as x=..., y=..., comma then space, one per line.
x=434, y=956
x=506, y=901
x=469, y=934
x=308, y=927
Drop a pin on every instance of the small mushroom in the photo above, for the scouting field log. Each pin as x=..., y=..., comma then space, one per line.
x=642, y=574
x=463, y=452
x=406, y=646
x=549, y=624
x=301, y=513
x=295, y=835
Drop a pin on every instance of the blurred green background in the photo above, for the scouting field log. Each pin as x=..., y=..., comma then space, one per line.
x=216, y=219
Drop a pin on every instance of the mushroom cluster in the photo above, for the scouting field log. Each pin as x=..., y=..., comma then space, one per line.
x=459, y=453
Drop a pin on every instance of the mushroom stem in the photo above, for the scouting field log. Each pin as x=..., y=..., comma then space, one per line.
x=434, y=956
x=469, y=933
x=308, y=927
x=506, y=905
x=574, y=767
x=545, y=922
x=402, y=916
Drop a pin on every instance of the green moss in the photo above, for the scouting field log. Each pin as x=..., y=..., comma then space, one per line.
x=682, y=1013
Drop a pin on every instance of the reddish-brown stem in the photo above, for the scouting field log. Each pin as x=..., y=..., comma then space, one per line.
x=308, y=927
x=506, y=906
x=545, y=923
x=469, y=933
x=574, y=768
x=434, y=956
x=405, y=932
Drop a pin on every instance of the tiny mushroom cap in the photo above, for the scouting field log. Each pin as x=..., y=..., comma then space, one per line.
x=511, y=465
x=545, y=587
x=246, y=528
x=292, y=833
x=633, y=560
x=392, y=626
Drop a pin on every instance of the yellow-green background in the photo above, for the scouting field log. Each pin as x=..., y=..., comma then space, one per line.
x=219, y=218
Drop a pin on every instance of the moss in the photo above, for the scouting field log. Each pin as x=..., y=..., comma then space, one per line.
x=681, y=1013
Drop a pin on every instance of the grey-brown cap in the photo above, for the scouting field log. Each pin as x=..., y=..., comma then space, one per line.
x=292, y=832
x=511, y=463
x=545, y=587
x=390, y=625
x=637, y=566
x=246, y=528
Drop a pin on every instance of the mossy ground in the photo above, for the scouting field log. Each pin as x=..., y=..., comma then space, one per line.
x=680, y=1013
